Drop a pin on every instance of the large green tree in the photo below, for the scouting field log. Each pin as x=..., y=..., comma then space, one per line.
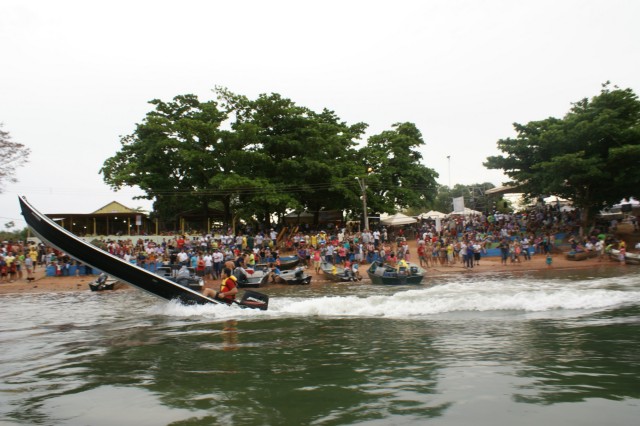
x=255, y=158
x=173, y=154
x=474, y=197
x=306, y=156
x=590, y=156
x=398, y=179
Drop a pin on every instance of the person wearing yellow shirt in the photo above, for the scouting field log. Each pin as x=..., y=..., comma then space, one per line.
x=450, y=257
x=403, y=266
x=11, y=266
x=33, y=254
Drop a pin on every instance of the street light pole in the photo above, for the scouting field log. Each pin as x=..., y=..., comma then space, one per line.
x=449, y=164
x=363, y=187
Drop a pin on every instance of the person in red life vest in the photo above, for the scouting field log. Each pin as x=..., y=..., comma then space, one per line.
x=228, y=288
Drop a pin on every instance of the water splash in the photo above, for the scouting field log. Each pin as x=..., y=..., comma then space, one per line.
x=522, y=295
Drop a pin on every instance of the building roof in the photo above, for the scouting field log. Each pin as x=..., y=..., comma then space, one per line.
x=114, y=207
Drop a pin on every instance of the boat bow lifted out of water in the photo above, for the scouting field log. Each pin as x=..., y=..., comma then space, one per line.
x=138, y=277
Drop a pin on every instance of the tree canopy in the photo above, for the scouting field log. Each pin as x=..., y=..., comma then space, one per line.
x=474, y=197
x=12, y=156
x=398, y=180
x=255, y=158
x=590, y=156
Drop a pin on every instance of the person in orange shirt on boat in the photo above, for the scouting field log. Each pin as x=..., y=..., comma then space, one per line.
x=228, y=288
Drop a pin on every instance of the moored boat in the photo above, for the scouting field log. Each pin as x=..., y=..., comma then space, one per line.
x=118, y=268
x=629, y=258
x=256, y=277
x=184, y=276
x=336, y=273
x=382, y=273
x=288, y=262
x=103, y=282
x=581, y=255
x=294, y=276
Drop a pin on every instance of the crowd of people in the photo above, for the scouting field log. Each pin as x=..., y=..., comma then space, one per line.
x=457, y=239
x=18, y=261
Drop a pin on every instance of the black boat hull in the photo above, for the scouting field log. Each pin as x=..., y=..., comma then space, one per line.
x=97, y=258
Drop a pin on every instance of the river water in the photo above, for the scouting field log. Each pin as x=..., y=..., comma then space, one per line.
x=538, y=348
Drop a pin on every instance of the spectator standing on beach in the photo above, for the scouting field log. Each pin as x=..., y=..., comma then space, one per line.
x=429, y=258
x=504, y=251
x=33, y=254
x=4, y=270
x=19, y=262
x=218, y=259
x=183, y=258
x=208, y=264
x=200, y=266
x=421, y=254
x=329, y=254
x=470, y=261
x=407, y=252
x=525, y=248
x=316, y=259
x=476, y=248
x=599, y=248
x=450, y=253
x=462, y=252
x=28, y=265
x=11, y=266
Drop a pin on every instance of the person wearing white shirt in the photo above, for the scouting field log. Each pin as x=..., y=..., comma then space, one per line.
x=183, y=258
x=218, y=259
x=208, y=265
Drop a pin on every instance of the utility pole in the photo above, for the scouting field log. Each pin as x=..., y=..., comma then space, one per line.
x=363, y=187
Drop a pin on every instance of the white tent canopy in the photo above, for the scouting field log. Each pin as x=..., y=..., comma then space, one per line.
x=632, y=201
x=554, y=199
x=466, y=212
x=398, y=219
x=433, y=214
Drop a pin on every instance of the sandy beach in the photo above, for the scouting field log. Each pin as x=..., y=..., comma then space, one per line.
x=45, y=284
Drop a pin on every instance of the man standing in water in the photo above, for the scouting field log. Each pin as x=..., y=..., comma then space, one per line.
x=228, y=288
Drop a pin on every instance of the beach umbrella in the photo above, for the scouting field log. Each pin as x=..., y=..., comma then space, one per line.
x=398, y=219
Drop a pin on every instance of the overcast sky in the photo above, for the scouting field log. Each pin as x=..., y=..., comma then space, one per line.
x=76, y=75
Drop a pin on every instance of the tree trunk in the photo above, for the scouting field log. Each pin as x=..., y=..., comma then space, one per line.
x=584, y=216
